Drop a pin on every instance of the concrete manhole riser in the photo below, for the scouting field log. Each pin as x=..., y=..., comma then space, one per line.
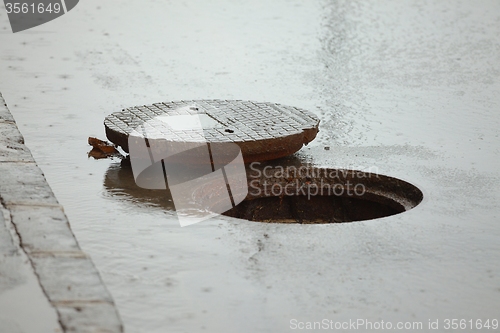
x=317, y=195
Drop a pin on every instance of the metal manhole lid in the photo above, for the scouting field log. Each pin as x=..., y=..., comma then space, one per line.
x=263, y=131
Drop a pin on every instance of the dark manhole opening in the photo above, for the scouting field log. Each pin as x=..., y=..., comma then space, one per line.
x=318, y=198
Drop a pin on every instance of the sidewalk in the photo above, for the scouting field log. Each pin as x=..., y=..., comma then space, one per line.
x=20, y=294
x=47, y=284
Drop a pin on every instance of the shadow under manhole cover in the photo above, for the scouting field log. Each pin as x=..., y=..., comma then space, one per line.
x=320, y=195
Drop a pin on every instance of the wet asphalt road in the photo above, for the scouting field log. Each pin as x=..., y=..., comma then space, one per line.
x=410, y=88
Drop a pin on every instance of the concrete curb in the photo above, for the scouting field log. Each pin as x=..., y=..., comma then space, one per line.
x=66, y=274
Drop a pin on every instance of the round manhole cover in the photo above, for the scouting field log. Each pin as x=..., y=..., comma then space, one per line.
x=263, y=131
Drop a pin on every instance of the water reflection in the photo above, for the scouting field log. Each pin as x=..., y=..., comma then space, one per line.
x=120, y=185
x=346, y=195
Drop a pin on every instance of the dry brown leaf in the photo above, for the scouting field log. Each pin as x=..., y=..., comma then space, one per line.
x=102, y=149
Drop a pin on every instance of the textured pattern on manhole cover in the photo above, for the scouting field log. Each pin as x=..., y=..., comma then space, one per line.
x=263, y=131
